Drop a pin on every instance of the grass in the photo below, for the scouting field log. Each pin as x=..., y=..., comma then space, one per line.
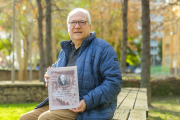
x=165, y=108
x=14, y=111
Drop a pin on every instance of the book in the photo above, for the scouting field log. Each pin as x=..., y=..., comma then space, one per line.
x=63, y=88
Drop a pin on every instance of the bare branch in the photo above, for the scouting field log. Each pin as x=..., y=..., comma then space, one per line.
x=58, y=9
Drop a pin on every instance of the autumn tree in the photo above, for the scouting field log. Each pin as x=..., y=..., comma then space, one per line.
x=107, y=24
x=21, y=36
x=133, y=48
x=5, y=26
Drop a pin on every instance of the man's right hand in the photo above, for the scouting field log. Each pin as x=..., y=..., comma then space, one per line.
x=46, y=79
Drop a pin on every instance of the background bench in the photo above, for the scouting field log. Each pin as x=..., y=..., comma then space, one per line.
x=131, y=104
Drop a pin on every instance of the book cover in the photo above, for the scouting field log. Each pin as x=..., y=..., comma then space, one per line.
x=63, y=88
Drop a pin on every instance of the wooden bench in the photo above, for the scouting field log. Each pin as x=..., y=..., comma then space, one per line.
x=131, y=104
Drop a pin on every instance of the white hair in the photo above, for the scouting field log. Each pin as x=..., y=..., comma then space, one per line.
x=79, y=10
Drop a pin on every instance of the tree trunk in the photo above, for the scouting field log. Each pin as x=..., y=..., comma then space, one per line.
x=54, y=50
x=145, y=60
x=35, y=59
x=48, y=34
x=124, y=39
x=18, y=47
x=40, y=37
x=26, y=56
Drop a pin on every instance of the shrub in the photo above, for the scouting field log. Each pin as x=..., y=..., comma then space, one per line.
x=159, y=86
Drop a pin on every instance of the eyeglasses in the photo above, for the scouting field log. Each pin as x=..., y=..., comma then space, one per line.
x=80, y=23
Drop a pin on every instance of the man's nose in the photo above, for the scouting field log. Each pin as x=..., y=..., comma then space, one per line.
x=77, y=25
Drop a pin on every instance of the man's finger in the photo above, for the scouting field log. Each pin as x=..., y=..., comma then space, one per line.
x=79, y=106
x=46, y=83
x=46, y=76
x=46, y=79
x=76, y=110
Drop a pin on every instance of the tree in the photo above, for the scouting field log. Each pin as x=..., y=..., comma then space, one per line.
x=5, y=26
x=107, y=24
x=48, y=34
x=124, y=39
x=40, y=39
x=145, y=53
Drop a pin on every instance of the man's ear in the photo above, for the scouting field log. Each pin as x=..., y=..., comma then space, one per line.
x=90, y=27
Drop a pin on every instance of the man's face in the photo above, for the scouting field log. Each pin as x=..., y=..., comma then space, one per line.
x=63, y=78
x=79, y=33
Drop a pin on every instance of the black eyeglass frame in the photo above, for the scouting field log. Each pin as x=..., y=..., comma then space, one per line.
x=79, y=23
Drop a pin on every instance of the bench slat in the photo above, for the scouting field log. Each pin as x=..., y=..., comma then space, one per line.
x=141, y=100
x=131, y=104
x=123, y=94
x=137, y=115
x=129, y=101
x=121, y=114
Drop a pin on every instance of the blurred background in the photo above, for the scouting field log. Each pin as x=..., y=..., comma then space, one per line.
x=24, y=34
x=31, y=32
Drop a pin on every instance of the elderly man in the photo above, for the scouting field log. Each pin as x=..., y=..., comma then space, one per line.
x=99, y=76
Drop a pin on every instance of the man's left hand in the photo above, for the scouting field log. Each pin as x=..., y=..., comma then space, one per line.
x=80, y=108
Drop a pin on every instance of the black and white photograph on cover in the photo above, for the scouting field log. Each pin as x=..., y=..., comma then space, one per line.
x=63, y=80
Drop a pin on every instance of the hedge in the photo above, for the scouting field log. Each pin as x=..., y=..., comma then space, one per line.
x=159, y=87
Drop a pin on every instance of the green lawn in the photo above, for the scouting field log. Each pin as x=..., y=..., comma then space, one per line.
x=14, y=111
x=165, y=108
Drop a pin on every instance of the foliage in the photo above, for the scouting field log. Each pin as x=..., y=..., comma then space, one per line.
x=106, y=22
x=5, y=44
x=133, y=53
x=6, y=18
x=14, y=111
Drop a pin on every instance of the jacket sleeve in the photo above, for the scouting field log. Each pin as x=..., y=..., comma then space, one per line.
x=111, y=86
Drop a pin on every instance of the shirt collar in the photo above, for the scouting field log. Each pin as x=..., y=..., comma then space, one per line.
x=73, y=46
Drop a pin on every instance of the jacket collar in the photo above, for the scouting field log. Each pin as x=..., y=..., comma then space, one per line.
x=67, y=44
x=87, y=41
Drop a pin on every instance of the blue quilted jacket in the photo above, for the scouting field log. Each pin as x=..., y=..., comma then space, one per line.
x=99, y=77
